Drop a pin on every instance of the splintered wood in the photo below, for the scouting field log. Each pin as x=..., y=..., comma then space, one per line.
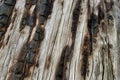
x=59, y=40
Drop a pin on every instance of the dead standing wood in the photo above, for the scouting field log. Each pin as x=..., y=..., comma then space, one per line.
x=59, y=40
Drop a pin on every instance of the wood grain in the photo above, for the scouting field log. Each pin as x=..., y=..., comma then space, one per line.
x=59, y=40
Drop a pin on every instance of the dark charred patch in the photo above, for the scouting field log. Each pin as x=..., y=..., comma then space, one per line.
x=93, y=29
x=5, y=12
x=100, y=14
x=19, y=68
x=44, y=8
x=93, y=25
x=30, y=58
x=3, y=19
x=32, y=48
x=41, y=33
x=60, y=72
x=29, y=51
x=6, y=8
x=76, y=13
x=23, y=22
x=22, y=55
x=85, y=64
x=17, y=72
x=28, y=55
x=29, y=19
x=110, y=17
x=10, y=2
x=85, y=57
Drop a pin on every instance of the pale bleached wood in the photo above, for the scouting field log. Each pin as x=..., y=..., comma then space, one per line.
x=103, y=62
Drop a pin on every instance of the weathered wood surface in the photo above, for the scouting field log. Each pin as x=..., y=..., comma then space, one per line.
x=59, y=39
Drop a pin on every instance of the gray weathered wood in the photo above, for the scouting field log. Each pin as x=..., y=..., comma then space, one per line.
x=60, y=40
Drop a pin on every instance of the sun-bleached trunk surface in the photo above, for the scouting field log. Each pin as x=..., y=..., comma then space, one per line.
x=59, y=39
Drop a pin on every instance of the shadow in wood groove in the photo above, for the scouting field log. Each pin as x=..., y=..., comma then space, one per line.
x=60, y=72
x=85, y=56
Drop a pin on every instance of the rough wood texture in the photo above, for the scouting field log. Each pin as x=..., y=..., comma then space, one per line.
x=59, y=39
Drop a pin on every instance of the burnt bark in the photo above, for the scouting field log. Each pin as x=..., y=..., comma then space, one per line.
x=59, y=39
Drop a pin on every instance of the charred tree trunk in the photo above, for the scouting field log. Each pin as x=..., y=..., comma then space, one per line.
x=59, y=39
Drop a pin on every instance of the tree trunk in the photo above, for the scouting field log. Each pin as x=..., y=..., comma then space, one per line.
x=59, y=39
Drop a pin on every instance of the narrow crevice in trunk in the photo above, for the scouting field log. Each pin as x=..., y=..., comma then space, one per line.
x=85, y=56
